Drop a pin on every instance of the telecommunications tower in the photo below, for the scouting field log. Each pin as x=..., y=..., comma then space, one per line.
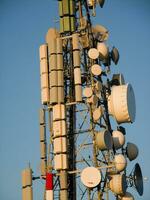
x=84, y=152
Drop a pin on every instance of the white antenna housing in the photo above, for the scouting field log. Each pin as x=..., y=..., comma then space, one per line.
x=90, y=177
x=121, y=103
x=118, y=184
x=120, y=162
x=103, y=140
x=118, y=139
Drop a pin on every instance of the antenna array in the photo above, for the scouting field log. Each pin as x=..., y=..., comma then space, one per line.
x=84, y=157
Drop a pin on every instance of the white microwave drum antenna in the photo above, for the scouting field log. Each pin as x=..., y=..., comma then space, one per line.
x=90, y=177
x=118, y=184
x=100, y=32
x=118, y=139
x=120, y=162
x=121, y=103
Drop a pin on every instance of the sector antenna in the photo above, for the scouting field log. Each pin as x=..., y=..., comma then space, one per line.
x=82, y=155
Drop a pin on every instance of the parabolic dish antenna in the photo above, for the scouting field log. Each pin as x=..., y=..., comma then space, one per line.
x=93, y=53
x=100, y=32
x=132, y=151
x=121, y=103
x=90, y=177
x=138, y=179
x=115, y=55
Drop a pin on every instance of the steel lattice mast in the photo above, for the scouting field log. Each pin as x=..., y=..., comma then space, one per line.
x=82, y=156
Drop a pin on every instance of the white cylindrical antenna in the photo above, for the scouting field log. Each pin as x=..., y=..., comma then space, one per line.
x=59, y=128
x=43, y=162
x=63, y=195
x=43, y=51
x=27, y=192
x=60, y=140
x=77, y=70
x=59, y=112
x=60, y=71
x=63, y=180
x=60, y=145
x=42, y=116
x=64, y=185
x=60, y=161
x=51, y=36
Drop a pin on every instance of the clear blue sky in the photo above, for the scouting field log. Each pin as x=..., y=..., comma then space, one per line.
x=23, y=25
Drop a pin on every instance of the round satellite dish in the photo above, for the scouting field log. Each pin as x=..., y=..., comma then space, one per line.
x=132, y=151
x=118, y=139
x=115, y=55
x=120, y=162
x=93, y=53
x=121, y=103
x=100, y=32
x=98, y=112
x=127, y=196
x=102, y=49
x=118, y=184
x=104, y=140
x=138, y=179
x=90, y=177
x=96, y=70
x=118, y=79
x=87, y=92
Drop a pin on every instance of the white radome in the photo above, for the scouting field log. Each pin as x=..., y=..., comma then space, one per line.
x=96, y=70
x=120, y=162
x=90, y=177
x=121, y=103
x=102, y=49
x=118, y=139
x=118, y=184
x=93, y=53
x=104, y=140
x=100, y=32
